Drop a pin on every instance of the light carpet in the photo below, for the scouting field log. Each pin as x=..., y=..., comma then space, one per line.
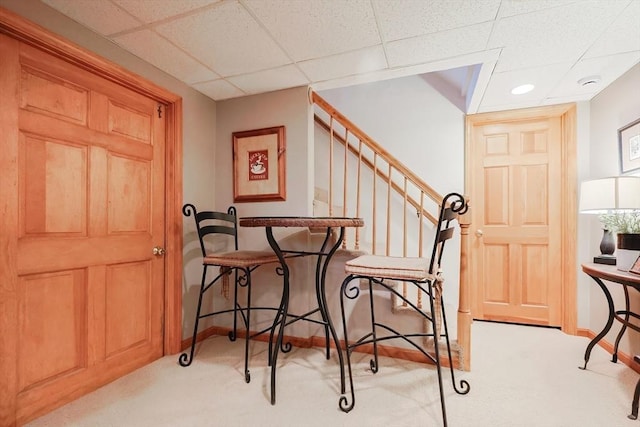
x=521, y=376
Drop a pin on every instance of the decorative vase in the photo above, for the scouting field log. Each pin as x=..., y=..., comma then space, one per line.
x=607, y=245
x=628, y=250
x=607, y=248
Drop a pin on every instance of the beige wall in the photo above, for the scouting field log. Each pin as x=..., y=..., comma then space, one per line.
x=289, y=108
x=614, y=107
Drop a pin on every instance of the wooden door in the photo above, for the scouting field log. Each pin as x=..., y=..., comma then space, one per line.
x=83, y=186
x=517, y=193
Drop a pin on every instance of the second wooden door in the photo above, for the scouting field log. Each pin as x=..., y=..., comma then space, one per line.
x=516, y=169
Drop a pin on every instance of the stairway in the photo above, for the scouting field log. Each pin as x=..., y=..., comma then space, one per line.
x=355, y=176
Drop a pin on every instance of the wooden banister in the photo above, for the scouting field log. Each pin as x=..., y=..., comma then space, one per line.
x=419, y=207
x=354, y=130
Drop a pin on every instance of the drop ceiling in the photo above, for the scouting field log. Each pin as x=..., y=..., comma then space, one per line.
x=474, y=50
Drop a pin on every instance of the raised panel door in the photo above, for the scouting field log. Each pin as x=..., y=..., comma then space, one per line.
x=87, y=188
x=516, y=169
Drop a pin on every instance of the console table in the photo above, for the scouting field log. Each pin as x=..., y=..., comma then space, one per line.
x=600, y=272
x=610, y=273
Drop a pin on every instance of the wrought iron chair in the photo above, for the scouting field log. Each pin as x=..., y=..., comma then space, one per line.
x=237, y=264
x=426, y=275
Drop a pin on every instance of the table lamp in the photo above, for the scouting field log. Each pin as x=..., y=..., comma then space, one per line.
x=606, y=196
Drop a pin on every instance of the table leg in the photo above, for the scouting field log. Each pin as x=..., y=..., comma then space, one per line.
x=634, y=403
x=281, y=316
x=607, y=327
x=614, y=358
x=322, y=303
x=321, y=263
x=280, y=320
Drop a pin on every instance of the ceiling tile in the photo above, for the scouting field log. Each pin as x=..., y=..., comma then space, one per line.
x=228, y=29
x=527, y=39
x=622, y=36
x=433, y=47
x=608, y=68
x=498, y=91
x=344, y=64
x=270, y=80
x=482, y=57
x=519, y=7
x=101, y=16
x=231, y=48
x=410, y=18
x=154, y=10
x=154, y=49
x=219, y=89
x=307, y=30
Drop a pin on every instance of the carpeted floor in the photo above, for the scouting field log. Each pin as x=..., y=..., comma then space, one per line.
x=521, y=376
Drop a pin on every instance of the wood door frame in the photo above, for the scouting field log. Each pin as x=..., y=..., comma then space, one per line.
x=21, y=29
x=568, y=191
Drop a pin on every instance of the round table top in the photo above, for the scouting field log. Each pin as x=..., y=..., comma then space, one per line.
x=300, y=221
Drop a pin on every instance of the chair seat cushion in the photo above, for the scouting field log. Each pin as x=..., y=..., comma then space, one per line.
x=240, y=258
x=388, y=267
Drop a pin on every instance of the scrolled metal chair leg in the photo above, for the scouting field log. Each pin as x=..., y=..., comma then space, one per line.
x=185, y=359
x=464, y=387
x=437, y=354
x=344, y=404
x=373, y=363
x=247, y=374
x=233, y=334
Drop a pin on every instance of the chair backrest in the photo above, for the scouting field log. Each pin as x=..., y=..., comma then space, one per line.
x=211, y=222
x=453, y=204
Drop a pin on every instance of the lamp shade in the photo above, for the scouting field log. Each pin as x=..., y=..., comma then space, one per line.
x=620, y=193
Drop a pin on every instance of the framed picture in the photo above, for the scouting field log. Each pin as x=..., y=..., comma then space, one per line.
x=635, y=268
x=629, y=140
x=259, y=165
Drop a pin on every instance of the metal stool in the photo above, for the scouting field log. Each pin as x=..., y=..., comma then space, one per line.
x=240, y=263
x=425, y=275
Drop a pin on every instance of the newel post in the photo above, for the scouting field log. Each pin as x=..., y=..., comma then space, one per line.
x=464, y=298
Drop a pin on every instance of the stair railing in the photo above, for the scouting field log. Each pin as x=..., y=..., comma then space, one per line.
x=362, y=175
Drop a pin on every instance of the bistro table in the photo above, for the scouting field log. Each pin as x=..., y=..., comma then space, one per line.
x=324, y=255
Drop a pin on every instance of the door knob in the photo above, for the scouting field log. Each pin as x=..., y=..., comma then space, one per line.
x=158, y=251
x=479, y=233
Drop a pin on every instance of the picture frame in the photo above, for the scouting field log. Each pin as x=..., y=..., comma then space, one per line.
x=635, y=268
x=629, y=147
x=259, y=165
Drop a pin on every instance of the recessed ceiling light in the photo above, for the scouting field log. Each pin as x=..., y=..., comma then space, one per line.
x=588, y=81
x=522, y=89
